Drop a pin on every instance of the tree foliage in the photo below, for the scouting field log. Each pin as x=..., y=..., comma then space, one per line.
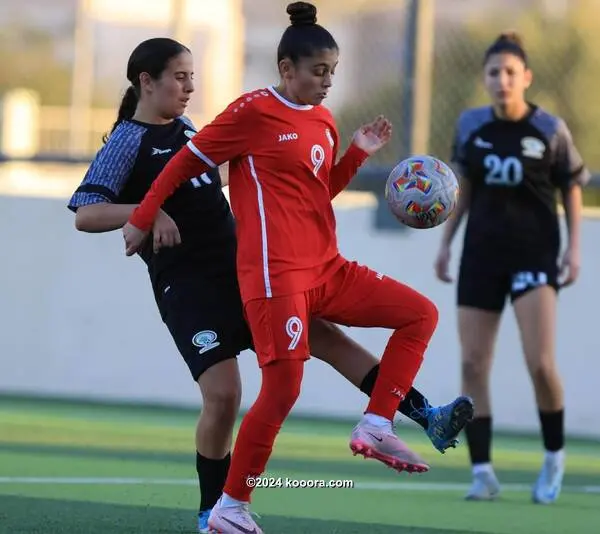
x=30, y=60
x=564, y=53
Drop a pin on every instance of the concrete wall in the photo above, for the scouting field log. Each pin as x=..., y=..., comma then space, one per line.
x=77, y=318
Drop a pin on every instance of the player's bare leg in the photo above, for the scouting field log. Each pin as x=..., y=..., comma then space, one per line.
x=221, y=391
x=536, y=316
x=478, y=330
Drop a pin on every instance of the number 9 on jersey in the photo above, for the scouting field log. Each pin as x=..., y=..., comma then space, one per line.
x=422, y=192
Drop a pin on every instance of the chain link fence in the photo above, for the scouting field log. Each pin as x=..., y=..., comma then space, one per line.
x=562, y=40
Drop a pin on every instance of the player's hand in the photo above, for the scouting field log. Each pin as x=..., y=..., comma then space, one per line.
x=165, y=232
x=442, y=264
x=570, y=265
x=134, y=238
x=373, y=136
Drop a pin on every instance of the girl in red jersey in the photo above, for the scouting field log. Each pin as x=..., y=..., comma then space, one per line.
x=282, y=146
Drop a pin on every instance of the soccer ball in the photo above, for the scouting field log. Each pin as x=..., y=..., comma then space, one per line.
x=422, y=192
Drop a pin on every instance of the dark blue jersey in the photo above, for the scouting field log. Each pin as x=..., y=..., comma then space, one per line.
x=515, y=169
x=123, y=171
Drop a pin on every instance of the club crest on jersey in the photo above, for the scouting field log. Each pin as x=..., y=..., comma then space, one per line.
x=533, y=147
x=288, y=137
x=205, y=341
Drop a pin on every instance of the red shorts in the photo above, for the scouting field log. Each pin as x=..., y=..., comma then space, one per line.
x=354, y=296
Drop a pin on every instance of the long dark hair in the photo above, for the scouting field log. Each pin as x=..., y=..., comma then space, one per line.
x=151, y=56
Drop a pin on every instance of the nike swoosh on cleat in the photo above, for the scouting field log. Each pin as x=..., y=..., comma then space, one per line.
x=373, y=436
x=240, y=527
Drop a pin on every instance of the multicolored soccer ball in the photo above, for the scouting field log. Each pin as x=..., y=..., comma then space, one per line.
x=422, y=192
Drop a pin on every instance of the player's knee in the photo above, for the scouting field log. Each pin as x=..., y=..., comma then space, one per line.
x=543, y=372
x=427, y=319
x=282, y=382
x=223, y=403
x=433, y=315
x=288, y=395
x=474, y=369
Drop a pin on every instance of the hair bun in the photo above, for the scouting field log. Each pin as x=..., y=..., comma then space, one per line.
x=302, y=14
x=510, y=36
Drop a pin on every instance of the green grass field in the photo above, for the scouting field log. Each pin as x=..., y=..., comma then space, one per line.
x=69, y=468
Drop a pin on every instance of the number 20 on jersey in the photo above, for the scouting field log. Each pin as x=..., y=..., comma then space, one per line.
x=506, y=172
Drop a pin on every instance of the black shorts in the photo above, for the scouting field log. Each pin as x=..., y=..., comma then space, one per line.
x=485, y=281
x=205, y=318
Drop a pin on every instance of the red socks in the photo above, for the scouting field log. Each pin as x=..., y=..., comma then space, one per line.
x=401, y=361
x=281, y=382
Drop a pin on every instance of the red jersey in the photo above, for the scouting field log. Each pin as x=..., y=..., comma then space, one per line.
x=282, y=177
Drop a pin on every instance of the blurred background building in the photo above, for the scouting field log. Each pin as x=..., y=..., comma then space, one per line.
x=64, y=63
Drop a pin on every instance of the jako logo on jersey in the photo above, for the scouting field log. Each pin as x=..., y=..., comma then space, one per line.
x=205, y=340
x=533, y=147
x=288, y=137
x=159, y=151
x=189, y=133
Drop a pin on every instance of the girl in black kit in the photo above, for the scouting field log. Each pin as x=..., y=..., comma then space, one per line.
x=191, y=262
x=512, y=157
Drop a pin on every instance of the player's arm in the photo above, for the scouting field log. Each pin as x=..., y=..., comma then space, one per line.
x=225, y=139
x=459, y=166
x=442, y=261
x=462, y=207
x=570, y=175
x=95, y=200
x=570, y=263
x=345, y=169
x=367, y=140
x=102, y=217
x=224, y=174
x=221, y=173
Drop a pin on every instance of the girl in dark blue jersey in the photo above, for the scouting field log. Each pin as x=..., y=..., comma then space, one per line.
x=513, y=157
x=191, y=262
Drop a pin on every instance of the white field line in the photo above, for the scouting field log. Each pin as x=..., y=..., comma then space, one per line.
x=372, y=486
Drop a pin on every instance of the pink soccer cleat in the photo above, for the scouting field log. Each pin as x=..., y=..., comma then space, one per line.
x=232, y=520
x=382, y=444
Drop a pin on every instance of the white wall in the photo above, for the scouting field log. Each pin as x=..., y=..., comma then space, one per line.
x=77, y=318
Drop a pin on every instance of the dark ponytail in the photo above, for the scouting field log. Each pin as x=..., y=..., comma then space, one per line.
x=151, y=56
x=127, y=109
x=304, y=37
x=509, y=42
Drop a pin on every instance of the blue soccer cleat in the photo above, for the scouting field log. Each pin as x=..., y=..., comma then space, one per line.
x=203, y=521
x=446, y=422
